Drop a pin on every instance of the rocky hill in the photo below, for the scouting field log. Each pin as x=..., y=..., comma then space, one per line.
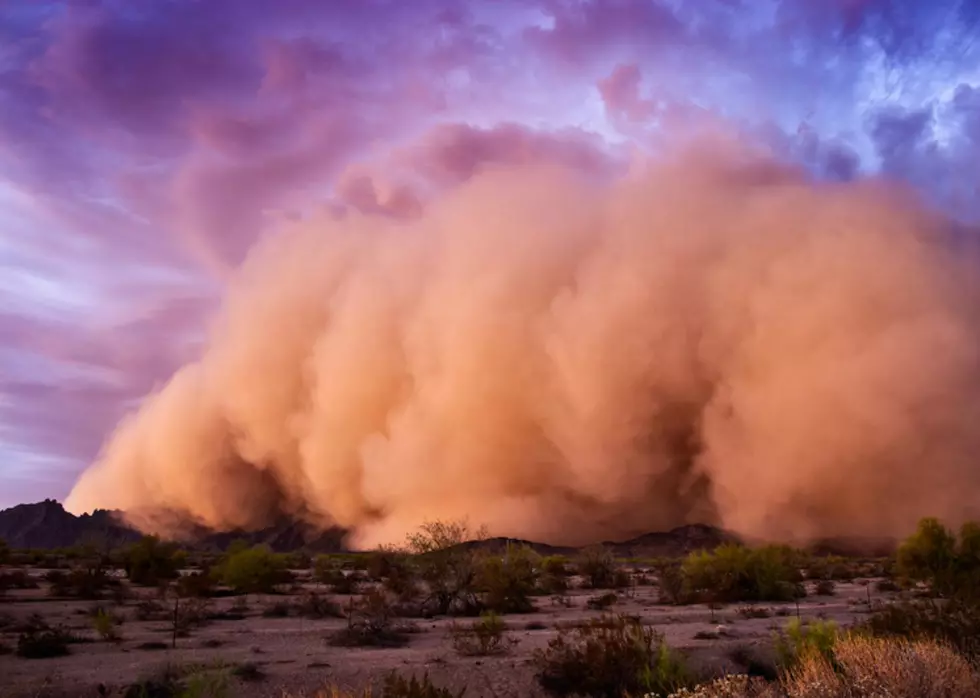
x=47, y=525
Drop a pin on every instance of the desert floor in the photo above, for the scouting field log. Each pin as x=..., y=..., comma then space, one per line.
x=296, y=660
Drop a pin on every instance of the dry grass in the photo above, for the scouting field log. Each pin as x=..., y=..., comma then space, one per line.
x=876, y=667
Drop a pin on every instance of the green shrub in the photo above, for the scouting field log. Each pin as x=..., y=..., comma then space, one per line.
x=736, y=573
x=609, y=658
x=316, y=606
x=106, y=625
x=934, y=555
x=553, y=574
x=508, y=582
x=798, y=641
x=483, y=637
x=597, y=565
x=150, y=561
x=254, y=570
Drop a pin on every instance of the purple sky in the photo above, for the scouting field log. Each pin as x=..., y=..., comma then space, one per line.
x=144, y=144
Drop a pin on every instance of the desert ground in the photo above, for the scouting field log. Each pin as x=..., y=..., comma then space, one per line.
x=241, y=651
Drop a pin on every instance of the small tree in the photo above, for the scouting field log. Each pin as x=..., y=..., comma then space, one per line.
x=934, y=555
x=446, y=565
x=597, y=565
x=508, y=582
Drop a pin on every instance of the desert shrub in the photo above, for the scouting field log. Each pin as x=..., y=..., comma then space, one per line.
x=277, y=609
x=191, y=613
x=107, y=625
x=749, y=612
x=598, y=567
x=736, y=573
x=825, y=587
x=4, y=552
x=508, y=582
x=150, y=609
x=327, y=571
x=875, y=667
x=16, y=579
x=195, y=585
x=446, y=566
x=83, y=583
x=829, y=567
x=483, y=637
x=798, y=641
x=248, y=671
x=609, y=658
x=554, y=572
x=670, y=580
x=955, y=622
x=43, y=643
x=602, y=601
x=370, y=623
x=397, y=686
x=316, y=606
x=254, y=570
x=150, y=561
x=934, y=555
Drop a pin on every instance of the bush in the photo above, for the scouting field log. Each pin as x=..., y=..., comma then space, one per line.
x=83, y=583
x=316, y=606
x=16, y=579
x=602, y=602
x=43, y=643
x=254, y=570
x=597, y=565
x=554, y=575
x=397, y=686
x=149, y=561
x=934, y=555
x=875, y=667
x=798, y=642
x=328, y=572
x=825, y=587
x=447, y=567
x=484, y=637
x=610, y=658
x=508, y=582
x=735, y=573
x=955, y=622
x=107, y=625
x=197, y=585
x=370, y=623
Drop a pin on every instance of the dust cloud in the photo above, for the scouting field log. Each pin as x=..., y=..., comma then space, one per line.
x=711, y=338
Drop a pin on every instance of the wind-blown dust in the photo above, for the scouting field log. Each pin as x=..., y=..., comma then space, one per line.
x=710, y=339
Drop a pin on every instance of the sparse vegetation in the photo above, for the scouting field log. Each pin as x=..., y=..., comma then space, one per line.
x=484, y=637
x=151, y=561
x=447, y=566
x=254, y=570
x=609, y=658
x=736, y=573
x=598, y=567
x=507, y=582
x=371, y=623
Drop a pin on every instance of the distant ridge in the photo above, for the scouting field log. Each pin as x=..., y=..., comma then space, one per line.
x=46, y=525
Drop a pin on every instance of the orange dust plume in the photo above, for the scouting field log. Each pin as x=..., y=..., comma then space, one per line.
x=712, y=337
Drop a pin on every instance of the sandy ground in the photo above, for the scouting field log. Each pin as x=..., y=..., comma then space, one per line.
x=296, y=659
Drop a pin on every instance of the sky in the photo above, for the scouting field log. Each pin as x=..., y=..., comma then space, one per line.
x=145, y=145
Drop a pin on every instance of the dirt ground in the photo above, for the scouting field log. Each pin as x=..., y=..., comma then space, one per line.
x=296, y=659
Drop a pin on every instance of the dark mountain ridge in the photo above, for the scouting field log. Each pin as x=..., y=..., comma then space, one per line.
x=46, y=525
